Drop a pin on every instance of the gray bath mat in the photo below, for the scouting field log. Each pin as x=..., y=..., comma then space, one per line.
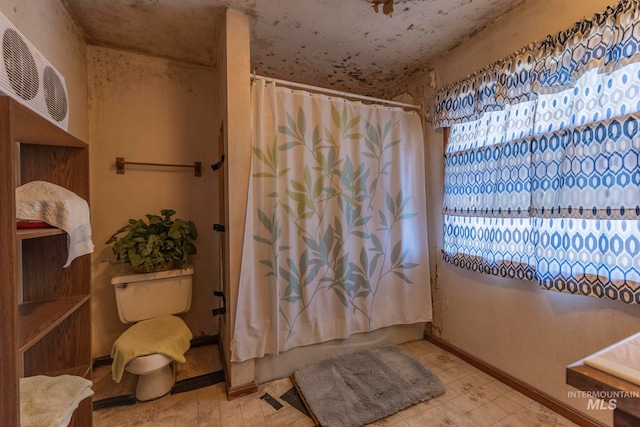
x=360, y=388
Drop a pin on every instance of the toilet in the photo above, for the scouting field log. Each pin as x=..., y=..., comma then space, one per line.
x=158, y=339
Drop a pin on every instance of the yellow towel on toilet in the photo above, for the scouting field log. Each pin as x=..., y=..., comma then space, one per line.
x=167, y=335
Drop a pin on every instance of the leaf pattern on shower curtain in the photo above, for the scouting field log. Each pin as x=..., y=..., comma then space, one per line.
x=331, y=182
x=335, y=240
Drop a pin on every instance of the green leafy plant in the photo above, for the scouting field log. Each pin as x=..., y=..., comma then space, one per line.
x=160, y=243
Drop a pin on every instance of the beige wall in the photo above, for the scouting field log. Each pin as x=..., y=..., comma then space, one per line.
x=147, y=109
x=46, y=24
x=512, y=325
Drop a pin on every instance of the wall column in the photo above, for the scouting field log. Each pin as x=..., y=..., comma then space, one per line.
x=236, y=81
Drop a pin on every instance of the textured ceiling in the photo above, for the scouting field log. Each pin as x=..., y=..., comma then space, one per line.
x=342, y=44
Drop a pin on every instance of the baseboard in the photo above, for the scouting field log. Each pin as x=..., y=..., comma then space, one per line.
x=194, y=383
x=233, y=392
x=102, y=361
x=204, y=340
x=114, y=402
x=243, y=390
x=529, y=391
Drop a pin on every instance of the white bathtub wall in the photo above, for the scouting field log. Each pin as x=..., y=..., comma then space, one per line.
x=47, y=26
x=283, y=365
x=513, y=325
x=148, y=109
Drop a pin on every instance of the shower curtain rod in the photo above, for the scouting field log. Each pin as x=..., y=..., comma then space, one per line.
x=335, y=92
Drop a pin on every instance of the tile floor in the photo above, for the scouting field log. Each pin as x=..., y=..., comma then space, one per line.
x=472, y=399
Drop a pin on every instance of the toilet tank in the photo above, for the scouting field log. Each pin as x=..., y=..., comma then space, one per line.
x=147, y=295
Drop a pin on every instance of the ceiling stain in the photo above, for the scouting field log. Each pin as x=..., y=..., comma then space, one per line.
x=341, y=44
x=144, y=5
x=387, y=6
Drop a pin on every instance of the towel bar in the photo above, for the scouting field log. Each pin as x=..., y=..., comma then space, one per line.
x=120, y=162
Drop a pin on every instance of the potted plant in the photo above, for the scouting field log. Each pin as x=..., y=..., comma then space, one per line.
x=160, y=243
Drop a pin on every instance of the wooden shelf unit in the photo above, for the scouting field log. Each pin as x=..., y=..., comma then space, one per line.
x=45, y=314
x=34, y=233
x=38, y=318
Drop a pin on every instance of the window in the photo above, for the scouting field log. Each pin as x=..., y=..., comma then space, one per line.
x=542, y=175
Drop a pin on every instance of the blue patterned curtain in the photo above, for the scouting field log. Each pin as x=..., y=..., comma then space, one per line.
x=542, y=170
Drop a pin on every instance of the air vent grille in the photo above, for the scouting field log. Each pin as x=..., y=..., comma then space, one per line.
x=20, y=66
x=27, y=77
x=55, y=95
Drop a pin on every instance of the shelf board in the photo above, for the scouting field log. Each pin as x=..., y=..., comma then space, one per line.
x=79, y=371
x=31, y=128
x=38, y=318
x=34, y=233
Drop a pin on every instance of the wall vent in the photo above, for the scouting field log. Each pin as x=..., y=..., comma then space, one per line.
x=29, y=78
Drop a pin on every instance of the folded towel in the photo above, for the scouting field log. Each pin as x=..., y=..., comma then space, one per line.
x=55, y=205
x=48, y=401
x=167, y=335
x=621, y=360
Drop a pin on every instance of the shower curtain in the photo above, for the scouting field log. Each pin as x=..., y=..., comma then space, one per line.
x=335, y=239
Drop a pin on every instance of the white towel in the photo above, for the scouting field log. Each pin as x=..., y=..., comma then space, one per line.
x=57, y=206
x=50, y=401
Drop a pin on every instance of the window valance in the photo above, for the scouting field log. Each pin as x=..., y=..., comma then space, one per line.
x=607, y=41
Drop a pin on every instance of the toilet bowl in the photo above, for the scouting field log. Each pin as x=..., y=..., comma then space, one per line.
x=150, y=348
x=156, y=375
